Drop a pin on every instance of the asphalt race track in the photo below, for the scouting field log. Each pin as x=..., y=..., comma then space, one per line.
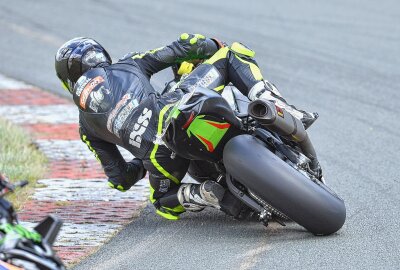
x=339, y=58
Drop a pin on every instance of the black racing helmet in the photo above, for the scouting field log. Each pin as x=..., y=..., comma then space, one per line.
x=77, y=56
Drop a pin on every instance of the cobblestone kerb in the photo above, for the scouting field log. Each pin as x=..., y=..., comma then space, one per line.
x=74, y=187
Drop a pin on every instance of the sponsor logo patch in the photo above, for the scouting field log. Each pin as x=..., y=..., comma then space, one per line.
x=114, y=112
x=123, y=114
x=88, y=89
x=97, y=97
x=211, y=76
x=81, y=83
x=279, y=111
x=135, y=138
x=164, y=185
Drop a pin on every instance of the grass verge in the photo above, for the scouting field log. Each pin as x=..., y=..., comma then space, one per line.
x=19, y=160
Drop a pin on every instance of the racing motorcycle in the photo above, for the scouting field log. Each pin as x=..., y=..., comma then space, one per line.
x=21, y=248
x=259, y=152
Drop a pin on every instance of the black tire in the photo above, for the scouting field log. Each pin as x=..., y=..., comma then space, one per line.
x=292, y=193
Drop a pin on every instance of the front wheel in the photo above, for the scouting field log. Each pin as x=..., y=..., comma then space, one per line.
x=307, y=203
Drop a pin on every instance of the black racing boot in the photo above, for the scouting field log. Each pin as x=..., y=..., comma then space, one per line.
x=269, y=92
x=195, y=197
x=308, y=118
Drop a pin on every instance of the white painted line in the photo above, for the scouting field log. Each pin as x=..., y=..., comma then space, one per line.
x=89, y=190
x=8, y=83
x=33, y=33
x=33, y=114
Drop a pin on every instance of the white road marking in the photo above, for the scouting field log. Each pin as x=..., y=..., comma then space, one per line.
x=251, y=256
x=33, y=33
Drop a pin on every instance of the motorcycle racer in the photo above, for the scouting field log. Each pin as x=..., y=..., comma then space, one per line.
x=118, y=106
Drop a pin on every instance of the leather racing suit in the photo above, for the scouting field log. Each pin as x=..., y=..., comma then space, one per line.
x=118, y=106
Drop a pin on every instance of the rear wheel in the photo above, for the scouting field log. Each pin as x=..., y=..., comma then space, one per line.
x=307, y=203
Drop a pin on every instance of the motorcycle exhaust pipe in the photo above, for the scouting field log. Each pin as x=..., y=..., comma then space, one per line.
x=282, y=122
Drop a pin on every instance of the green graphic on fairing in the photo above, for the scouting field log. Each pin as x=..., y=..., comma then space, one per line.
x=208, y=132
x=18, y=231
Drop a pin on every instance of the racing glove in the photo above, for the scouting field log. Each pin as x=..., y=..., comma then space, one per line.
x=195, y=47
x=133, y=172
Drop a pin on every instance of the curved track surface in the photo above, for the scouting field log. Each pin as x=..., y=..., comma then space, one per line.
x=340, y=58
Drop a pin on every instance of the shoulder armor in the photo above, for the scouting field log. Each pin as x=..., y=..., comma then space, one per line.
x=92, y=91
x=241, y=49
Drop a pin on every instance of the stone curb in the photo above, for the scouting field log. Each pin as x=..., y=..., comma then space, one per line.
x=75, y=186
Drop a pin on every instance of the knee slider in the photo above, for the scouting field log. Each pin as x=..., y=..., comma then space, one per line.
x=242, y=50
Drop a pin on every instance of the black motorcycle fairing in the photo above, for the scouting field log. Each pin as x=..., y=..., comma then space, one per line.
x=189, y=139
x=202, y=170
x=208, y=102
